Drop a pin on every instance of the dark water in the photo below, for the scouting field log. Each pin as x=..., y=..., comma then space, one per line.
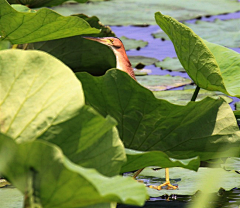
x=225, y=199
x=159, y=49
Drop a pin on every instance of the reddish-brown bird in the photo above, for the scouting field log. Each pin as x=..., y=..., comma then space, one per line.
x=124, y=64
x=118, y=49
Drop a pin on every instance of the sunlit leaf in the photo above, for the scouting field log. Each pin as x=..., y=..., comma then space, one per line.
x=139, y=12
x=40, y=26
x=232, y=163
x=42, y=172
x=211, y=66
x=146, y=123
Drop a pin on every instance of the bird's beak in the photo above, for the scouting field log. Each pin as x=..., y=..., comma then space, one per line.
x=100, y=40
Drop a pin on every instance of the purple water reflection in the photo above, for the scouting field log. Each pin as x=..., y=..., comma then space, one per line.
x=159, y=49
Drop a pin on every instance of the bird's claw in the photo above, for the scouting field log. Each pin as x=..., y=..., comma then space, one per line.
x=167, y=185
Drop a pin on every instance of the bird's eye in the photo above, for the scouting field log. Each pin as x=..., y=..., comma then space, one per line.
x=111, y=40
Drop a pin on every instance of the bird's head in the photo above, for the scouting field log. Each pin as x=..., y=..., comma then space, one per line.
x=112, y=42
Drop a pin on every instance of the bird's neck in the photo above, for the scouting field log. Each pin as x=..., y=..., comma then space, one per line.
x=123, y=62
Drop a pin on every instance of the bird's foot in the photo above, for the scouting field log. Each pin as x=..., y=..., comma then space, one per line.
x=167, y=185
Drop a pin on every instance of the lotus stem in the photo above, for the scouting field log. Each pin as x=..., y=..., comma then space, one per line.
x=195, y=94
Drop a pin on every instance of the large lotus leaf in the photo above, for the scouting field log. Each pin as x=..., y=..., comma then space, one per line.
x=211, y=66
x=182, y=97
x=189, y=182
x=195, y=57
x=81, y=54
x=172, y=64
x=159, y=82
x=146, y=123
x=41, y=3
x=42, y=99
x=224, y=33
x=37, y=91
x=229, y=63
x=90, y=141
x=132, y=43
x=41, y=171
x=139, y=12
x=25, y=27
x=140, y=61
x=138, y=159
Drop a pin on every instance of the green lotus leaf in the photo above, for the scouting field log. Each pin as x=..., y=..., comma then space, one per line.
x=224, y=33
x=189, y=182
x=37, y=91
x=211, y=66
x=182, y=97
x=172, y=64
x=159, y=82
x=146, y=123
x=142, y=72
x=81, y=54
x=138, y=159
x=139, y=12
x=42, y=99
x=232, y=163
x=195, y=57
x=48, y=178
x=133, y=43
x=140, y=61
x=43, y=25
x=42, y=3
x=89, y=140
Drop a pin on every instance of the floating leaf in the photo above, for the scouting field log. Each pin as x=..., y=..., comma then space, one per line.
x=232, y=163
x=41, y=171
x=182, y=97
x=146, y=123
x=133, y=43
x=189, y=182
x=139, y=12
x=40, y=26
x=137, y=160
x=220, y=32
x=158, y=82
x=172, y=64
x=41, y=3
x=211, y=66
x=140, y=61
x=142, y=72
x=81, y=54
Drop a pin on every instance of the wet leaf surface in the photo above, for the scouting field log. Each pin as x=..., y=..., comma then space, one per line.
x=40, y=26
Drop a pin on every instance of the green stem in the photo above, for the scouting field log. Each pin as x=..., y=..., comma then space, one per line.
x=195, y=94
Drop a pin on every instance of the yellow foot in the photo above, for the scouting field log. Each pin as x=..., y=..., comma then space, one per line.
x=167, y=185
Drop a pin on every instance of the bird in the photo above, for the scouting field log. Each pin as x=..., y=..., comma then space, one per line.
x=123, y=63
